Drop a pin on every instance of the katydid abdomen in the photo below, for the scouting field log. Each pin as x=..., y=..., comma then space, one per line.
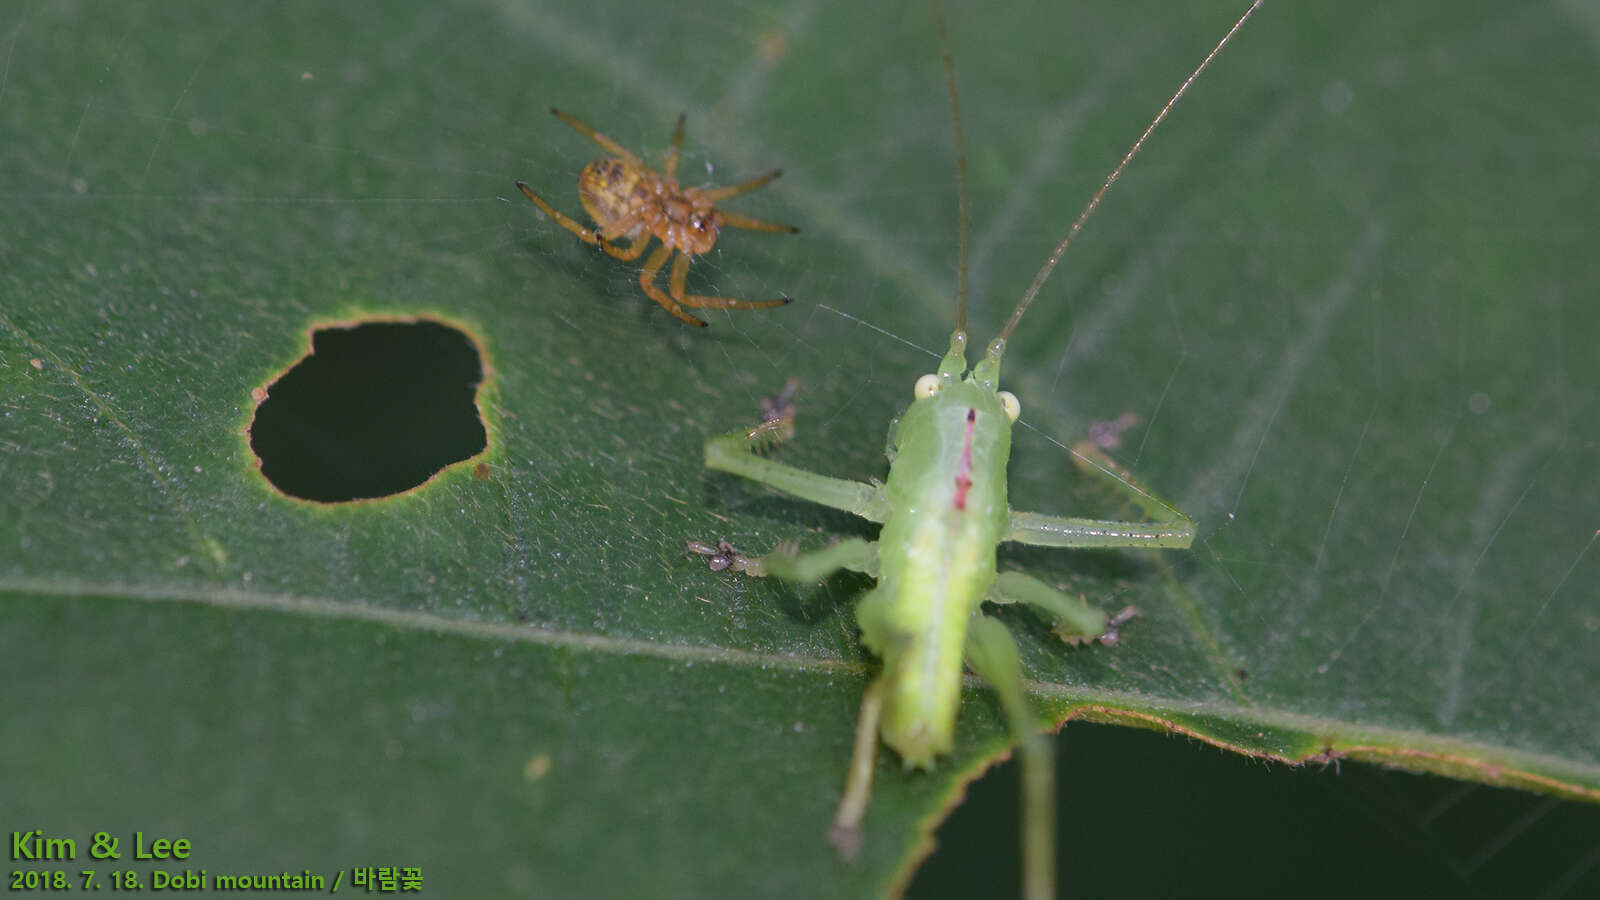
x=947, y=496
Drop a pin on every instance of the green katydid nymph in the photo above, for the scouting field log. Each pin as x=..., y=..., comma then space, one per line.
x=944, y=512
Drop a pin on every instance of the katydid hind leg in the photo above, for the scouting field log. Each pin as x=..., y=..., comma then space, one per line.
x=855, y=554
x=1044, y=530
x=1165, y=528
x=1098, y=464
x=735, y=452
x=845, y=833
x=786, y=562
x=992, y=653
x=1074, y=619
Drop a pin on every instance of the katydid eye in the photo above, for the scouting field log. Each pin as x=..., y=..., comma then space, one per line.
x=1010, y=403
x=926, y=387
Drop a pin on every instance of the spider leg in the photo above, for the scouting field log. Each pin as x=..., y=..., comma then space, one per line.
x=629, y=253
x=680, y=272
x=565, y=221
x=677, y=141
x=587, y=235
x=749, y=224
x=595, y=136
x=723, y=193
x=647, y=281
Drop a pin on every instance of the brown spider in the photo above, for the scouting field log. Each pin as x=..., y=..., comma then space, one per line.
x=628, y=199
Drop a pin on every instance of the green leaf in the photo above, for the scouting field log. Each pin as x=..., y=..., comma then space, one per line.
x=1348, y=289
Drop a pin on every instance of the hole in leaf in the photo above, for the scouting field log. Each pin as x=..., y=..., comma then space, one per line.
x=375, y=409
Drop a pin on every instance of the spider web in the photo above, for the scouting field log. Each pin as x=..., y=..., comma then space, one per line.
x=1350, y=320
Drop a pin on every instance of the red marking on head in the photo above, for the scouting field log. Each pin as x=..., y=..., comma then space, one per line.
x=964, y=477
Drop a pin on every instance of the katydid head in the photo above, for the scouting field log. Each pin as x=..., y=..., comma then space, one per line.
x=983, y=379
